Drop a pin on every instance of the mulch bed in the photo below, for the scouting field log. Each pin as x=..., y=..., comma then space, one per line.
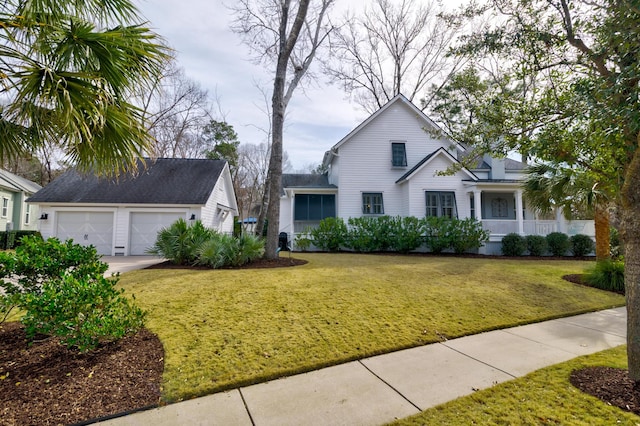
x=611, y=385
x=281, y=262
x=48, y=384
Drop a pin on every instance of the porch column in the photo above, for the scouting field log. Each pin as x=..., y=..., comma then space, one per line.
x=292, y=218
x=561, y=221
x=519, y=214
x=477, y=204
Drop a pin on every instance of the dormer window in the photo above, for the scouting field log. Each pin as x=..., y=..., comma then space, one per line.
x=398, y=154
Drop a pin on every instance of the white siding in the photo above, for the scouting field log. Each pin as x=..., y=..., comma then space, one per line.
x=286, y=221
x=221, y=208
x=368, y=154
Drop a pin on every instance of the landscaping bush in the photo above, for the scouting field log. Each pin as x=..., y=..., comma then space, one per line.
x=615, y=245
x=24, y=233
x=436, y=235
x=11, y=239
x=361, y=235
x=330, y=234
x=180, y=242
x=63, y=291
x=581, y=245
x=407, y=233
x=466, y=235
x=302, y=241
x=536, y=245
x=607, y=275
x=558, y=243
x=513, y=245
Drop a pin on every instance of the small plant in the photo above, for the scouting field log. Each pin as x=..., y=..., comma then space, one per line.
x=513, y=245
x=330, y=234
x=615, y=245
x=581, y=245
x=607, y=275
x=303, y=241
x=558, y=243
x=536, y=245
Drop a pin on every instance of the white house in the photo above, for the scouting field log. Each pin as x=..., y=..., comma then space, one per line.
x=123, y=216
x=392, y=164
x=15, y=213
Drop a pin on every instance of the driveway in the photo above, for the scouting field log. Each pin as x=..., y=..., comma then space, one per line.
x=129, y=263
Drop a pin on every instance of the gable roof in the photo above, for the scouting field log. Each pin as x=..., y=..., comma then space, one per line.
x=161, y=181
x=17, y=183
x=398, y=98
x=440, y=151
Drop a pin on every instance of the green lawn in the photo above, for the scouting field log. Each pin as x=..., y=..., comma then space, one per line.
x=544, y=397
x=228, y=328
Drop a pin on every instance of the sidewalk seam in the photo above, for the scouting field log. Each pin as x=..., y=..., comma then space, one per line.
x=246, y=407
x=479, y=360
x=388, y=384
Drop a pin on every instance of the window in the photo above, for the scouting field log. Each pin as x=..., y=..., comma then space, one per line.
x=27, y=214
x=472, y=205
x=5, y=207
x=372, y=203
x=314, y=207
x=398, y=154
x=441, y=204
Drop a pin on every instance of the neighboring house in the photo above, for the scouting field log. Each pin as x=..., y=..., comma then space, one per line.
x=391, y=164
x=15, y=213
x=123, y=216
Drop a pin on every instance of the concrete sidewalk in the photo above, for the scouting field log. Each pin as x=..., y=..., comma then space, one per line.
x=377, y=390
x=128, y=263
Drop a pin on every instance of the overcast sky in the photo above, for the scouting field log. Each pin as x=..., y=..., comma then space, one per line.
x=215, y=57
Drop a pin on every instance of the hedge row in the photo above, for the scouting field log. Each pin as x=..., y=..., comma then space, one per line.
x=556, y=244
x=395, y=233
x=11, y=239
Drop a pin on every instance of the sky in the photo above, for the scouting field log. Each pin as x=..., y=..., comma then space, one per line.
x=212, y=55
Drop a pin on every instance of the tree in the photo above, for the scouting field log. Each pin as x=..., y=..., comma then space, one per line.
x=582, y=111
x=222, y=142
x=67, y=70
x=392, y=48
x=176, y=109
x=572, y=190
x=286, y=34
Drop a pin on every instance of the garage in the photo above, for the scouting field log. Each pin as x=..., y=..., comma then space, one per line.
x=144, y=227
x=87, y=228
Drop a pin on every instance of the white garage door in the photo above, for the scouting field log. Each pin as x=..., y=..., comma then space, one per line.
x=145, y=227
x=87, y=228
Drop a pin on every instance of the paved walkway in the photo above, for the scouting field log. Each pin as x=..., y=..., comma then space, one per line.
x=377, y=390
x=128, y=263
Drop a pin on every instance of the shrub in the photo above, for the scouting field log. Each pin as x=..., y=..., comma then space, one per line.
x=536, y=245
x=436, y=235
x=250, y=248
x=302, y=241
x=615, y=245
x=63, y=291
x=607, y=275
x=406, y=233
x=466, y=235
x=180, y=242
x=513, y=245
x=581, y=245
x=361, y=235
x=24, y=233
x=558, y=243
x=330, y=234
x=218, y=251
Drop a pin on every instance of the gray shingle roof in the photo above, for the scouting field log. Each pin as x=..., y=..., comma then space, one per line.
x=17, y=183
x=290, y=180
x=161, y=181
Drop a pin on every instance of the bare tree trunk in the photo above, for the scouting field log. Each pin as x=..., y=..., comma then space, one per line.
x=631, y=239
x=601, y=220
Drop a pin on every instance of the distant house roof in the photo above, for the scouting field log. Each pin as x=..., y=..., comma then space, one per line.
x=425, y=160
x=306, y=181
x=17, y=183
x=509, y=164
x=161, y=181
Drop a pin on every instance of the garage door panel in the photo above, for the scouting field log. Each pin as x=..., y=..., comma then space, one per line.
x=87, y=228
x=145, y=227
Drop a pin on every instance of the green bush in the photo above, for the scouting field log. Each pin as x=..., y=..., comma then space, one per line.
x=180, y=242
x=615, y=245
x=607, y=275
x=24, y=233
x=407, y=233
x=513, y=245
x=466, y=235
x=63, y=291
x=581, y=245
x=437, y=234
x=11, y=240
x=558, y=243
x=330, y=235
x=302, y=241
x=218, y=251
x=536, y=245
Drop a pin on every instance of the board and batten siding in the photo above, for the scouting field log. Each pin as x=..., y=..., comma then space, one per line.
x=368, y=156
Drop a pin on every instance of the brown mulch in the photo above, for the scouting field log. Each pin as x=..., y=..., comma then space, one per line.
x=281, y=262
x=611, y=385
x=48, y=384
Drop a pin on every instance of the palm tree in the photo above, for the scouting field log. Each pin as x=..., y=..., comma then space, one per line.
x=67, y=69
x=572, y=190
